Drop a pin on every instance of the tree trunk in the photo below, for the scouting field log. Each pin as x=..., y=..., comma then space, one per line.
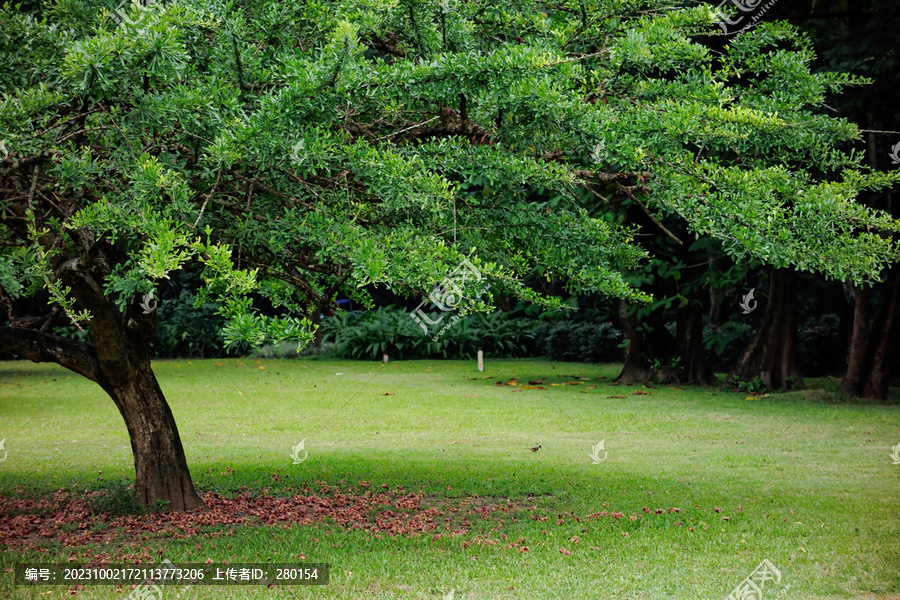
x=859, y=341
x=160, y=466
x=771, y=354
x=694, y=368
x=119, y=363
x=641, y=348
x=882, y=341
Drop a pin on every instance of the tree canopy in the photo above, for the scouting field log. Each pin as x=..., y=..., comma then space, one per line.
x=297, y=150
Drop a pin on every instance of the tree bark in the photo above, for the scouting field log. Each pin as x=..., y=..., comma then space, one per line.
x=694, y=368
x=851, y=384
x=882, y=341
x=119, y=364
x=160, y=466
x=771, y=354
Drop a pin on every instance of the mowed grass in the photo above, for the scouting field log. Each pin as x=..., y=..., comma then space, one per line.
x=708, y=483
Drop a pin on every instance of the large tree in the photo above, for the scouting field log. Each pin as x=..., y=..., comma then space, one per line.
x=296, y=150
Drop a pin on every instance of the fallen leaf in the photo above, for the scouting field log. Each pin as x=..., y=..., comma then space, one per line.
x=640, y=393
x=615, y=396
x=388, y=394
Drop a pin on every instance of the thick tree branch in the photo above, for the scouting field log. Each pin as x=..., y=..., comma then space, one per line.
x=38, y=346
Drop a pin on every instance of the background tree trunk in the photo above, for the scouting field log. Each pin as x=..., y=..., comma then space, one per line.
x=771, y=354
x=859, y=341
x=694, y=368
x=642, y=348
x=882, y=341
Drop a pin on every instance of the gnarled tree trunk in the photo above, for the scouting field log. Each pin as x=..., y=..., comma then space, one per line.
x=771, y=354
x=118, y=363
x=160, y=466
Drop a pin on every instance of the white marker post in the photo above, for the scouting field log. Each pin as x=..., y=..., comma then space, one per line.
x=385, y=359
x=480, y=360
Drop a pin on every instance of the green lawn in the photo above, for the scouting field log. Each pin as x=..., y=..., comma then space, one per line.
x=698, y=487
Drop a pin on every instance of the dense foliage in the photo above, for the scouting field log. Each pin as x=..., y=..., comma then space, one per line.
x=317, y=144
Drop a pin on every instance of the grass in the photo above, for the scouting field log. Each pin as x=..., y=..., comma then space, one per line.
x=708, y=483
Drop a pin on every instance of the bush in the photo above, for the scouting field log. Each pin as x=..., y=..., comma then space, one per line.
x=391, y=331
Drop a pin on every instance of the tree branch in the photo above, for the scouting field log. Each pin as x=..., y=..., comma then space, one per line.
x=38, y=346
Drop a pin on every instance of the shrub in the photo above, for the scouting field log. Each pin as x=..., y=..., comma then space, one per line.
x=390, y=330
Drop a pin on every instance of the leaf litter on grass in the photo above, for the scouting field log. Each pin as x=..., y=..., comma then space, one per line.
x=70, y=519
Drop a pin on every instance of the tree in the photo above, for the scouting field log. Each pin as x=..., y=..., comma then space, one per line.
x=853, y=36
x=290, y=151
